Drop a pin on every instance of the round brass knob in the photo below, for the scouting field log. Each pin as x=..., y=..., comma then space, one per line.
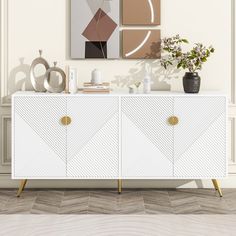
x=173, y=120
x=66, y=120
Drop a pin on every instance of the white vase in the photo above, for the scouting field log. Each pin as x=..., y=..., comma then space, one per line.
x=147, y=84
x=73, y=80
x=96, y=77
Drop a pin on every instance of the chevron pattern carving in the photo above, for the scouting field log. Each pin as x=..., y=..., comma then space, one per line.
x=99, y=157
x=140, y=157
x=150, y=115
x=43, y=114
x=196, y=115
x=201, y=160
x=194, y=146
x=105, y=128
x=33, y=158
x=89, y=115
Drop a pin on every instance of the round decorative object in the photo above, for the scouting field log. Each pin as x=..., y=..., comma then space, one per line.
x=191, y=82
x=38, y=83
x=173, y=120
x=66, y=120
x=61, y=87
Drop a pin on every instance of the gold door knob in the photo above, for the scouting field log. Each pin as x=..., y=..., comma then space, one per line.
x=66, y=120
x=173, y=120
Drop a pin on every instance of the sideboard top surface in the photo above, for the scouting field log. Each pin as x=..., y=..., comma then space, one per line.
x=123, y=93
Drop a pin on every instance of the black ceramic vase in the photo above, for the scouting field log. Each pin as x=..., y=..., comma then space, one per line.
x=191, y=82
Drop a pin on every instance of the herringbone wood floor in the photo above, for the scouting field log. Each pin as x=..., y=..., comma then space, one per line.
x=148, y=201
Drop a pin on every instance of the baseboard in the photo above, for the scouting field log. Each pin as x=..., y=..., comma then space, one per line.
x=7, y=182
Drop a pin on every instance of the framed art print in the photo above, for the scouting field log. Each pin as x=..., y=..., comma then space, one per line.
x=141, y=44
x=95, y=29
x=141, y=12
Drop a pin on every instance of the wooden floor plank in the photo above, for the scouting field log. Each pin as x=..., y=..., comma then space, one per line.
x=143, y=201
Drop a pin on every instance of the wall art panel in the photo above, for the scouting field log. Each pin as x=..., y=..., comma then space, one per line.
x=141, y=12
x=141, y=44
x=95, y=29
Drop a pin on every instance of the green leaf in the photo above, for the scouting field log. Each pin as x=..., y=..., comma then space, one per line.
x=178, y=54
x=184, y=40
x=203, y=59
x=179, y=65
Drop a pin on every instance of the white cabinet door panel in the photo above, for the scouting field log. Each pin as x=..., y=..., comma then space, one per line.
x=200, y=137
x=39, y=138
x=147, y=139
x=141, y=159
x=206, y=157
x=93, y=137
x=34, y=159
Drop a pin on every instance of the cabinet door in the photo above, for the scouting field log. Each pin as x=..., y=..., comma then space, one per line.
x=147, y=138
x=39, y=139
x=200, y=137
x=93, y=137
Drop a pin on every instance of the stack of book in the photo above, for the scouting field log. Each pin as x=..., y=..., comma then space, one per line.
x=90, y=88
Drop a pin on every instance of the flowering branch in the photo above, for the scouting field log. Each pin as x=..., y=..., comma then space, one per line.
x=192, y=60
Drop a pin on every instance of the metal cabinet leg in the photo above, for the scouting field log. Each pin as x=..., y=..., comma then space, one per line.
x=217, y=187
x=119, y=186
x=22, y=187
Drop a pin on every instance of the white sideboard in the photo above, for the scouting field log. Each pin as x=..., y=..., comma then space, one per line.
x=119, y=136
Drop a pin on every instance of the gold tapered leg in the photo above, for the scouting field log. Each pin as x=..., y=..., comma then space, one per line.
x=119, y=186
x=217, y=187
x=22, y=187
x=214, y=183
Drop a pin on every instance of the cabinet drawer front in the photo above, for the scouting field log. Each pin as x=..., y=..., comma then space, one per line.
x=200, y=137
x=93, y=137
x=147, y=138
x=38, y=136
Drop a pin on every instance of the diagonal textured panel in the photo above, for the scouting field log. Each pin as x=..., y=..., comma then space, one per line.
x=150, y=115
x=89, y=114
x=32, y=156
x=196, y=114
x=99, y=158
x=43, y=115
x=207, y=156
x=140, y=157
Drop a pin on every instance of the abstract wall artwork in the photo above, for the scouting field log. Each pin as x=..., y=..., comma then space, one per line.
x=141, y=12
x=141, y=44
x=95, y=29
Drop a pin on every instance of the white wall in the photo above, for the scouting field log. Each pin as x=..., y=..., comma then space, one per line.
x=35, y=24
x=29, y=25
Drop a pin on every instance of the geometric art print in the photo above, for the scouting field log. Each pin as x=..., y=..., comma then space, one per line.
x=95, y=29
x=145, y=44
x=141, y=12
x=142, y=43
